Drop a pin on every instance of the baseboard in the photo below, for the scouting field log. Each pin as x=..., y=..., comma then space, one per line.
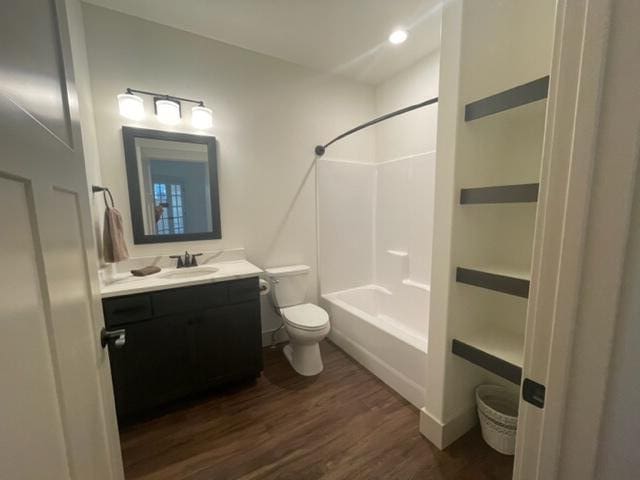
x=406, y=387
x=281, y=336
x=444, y=434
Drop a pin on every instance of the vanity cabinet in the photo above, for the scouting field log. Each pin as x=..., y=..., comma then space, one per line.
x=183, y=341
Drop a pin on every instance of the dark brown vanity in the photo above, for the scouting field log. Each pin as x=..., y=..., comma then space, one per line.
x=182, y=341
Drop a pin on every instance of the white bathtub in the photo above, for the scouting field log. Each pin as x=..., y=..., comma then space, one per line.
x=392, y=349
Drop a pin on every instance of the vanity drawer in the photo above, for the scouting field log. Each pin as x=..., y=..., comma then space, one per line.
x=244, y=290
x=122, y=310
x=189, y=298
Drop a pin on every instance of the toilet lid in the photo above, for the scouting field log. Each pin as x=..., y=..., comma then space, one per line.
x=306, y=316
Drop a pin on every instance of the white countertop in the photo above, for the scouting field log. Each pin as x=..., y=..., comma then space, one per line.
x=127, y=284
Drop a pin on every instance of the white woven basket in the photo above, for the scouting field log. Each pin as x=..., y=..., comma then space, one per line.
x=498, y=412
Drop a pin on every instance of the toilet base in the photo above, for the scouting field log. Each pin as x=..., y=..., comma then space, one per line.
x=305, y=359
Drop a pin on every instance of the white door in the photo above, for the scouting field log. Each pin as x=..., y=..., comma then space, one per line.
x=56, y=402
x=590, y=161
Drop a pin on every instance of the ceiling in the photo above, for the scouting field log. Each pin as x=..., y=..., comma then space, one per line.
x=348, y=37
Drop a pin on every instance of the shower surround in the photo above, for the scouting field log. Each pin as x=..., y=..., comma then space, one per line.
x=375, y=248
x=375, y=223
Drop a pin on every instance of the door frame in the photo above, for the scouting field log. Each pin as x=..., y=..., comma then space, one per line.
x=588, y=180
x=71, y=20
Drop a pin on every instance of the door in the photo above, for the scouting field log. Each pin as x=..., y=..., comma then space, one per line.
x=56, y=406
x=228, y=342
x=211, y=345
x=590, y=163
x=154, y=366
x=243, y=338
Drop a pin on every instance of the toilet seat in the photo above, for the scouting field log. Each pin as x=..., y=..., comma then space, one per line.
x=306, y=316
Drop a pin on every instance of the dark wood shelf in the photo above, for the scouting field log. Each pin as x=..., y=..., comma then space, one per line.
x=497, y=352
x=494, y=280
x=512, y=98
x=524, y=193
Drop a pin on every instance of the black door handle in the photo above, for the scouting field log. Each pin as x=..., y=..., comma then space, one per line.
x=117, y=338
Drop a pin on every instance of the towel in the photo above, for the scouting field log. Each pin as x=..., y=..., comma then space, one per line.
x=144, y=271
x=113, y=244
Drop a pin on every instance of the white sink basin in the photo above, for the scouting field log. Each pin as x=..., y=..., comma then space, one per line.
x=190, y=272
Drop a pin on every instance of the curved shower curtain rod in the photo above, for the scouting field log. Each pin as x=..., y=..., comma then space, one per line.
x=320, y=149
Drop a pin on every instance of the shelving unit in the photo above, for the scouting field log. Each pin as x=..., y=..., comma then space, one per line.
x=495, y=150
x=493, y=349
x=524, y=193
x=497, y=351
x=493, y=279
x=508, y=99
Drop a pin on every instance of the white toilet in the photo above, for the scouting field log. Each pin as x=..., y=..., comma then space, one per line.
x=306, y=323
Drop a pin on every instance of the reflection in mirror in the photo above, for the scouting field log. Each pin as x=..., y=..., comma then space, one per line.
x=172, y=185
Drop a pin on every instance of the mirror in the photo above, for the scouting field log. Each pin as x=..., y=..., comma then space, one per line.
x=173, y=185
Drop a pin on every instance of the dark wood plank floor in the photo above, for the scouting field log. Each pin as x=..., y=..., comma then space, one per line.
x=342, y=424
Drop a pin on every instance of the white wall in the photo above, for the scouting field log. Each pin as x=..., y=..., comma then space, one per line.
x=268, y=115
x=414, y=132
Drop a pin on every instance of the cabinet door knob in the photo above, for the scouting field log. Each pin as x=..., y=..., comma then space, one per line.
x=117, y=338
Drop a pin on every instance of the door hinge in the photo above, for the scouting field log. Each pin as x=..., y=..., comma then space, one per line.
x=533, y=392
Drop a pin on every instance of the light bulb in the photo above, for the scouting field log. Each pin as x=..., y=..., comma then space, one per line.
x=201, y=117
x=398, y=37
x=168, y=111
x=131, y=106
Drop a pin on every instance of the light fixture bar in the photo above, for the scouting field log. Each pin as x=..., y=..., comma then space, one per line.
x=165, y=96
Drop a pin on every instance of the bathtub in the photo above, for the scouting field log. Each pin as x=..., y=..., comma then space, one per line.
x=393, y=349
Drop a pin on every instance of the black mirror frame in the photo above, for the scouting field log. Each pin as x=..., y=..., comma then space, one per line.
x=129, y=135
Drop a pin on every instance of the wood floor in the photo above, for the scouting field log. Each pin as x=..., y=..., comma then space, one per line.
x=342, y=424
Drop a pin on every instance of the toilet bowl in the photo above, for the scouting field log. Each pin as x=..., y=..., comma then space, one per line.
x=306, y=324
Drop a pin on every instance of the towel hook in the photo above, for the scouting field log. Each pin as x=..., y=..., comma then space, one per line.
x=105, y=191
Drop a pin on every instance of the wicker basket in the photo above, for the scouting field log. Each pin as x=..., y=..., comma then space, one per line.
x=498, y=412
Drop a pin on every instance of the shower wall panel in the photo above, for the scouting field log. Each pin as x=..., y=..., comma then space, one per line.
x=345, y=217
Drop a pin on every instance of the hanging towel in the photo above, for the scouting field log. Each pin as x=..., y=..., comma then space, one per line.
x=113, y=245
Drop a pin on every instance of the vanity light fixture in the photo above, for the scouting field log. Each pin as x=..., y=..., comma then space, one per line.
x=168, y=108
x=167, y=111
x=201, y=117
x=398, y=37
x=131, y=106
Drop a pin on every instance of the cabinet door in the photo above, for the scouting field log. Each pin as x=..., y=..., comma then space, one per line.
x=228, y=343
x=154, y=366
x=243, y=339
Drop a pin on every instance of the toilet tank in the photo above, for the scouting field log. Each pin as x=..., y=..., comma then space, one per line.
x=288, y=284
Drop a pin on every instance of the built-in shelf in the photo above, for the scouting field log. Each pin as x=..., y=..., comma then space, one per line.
x=512, y=98
x=493, y=279
x=397, y=253
x=524, y=193
x=497, y=351
x=412, y=283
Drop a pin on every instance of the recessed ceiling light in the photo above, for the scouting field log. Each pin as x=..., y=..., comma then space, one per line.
x=398, y=37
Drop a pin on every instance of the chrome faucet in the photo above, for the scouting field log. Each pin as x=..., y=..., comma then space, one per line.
x=189, y=260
